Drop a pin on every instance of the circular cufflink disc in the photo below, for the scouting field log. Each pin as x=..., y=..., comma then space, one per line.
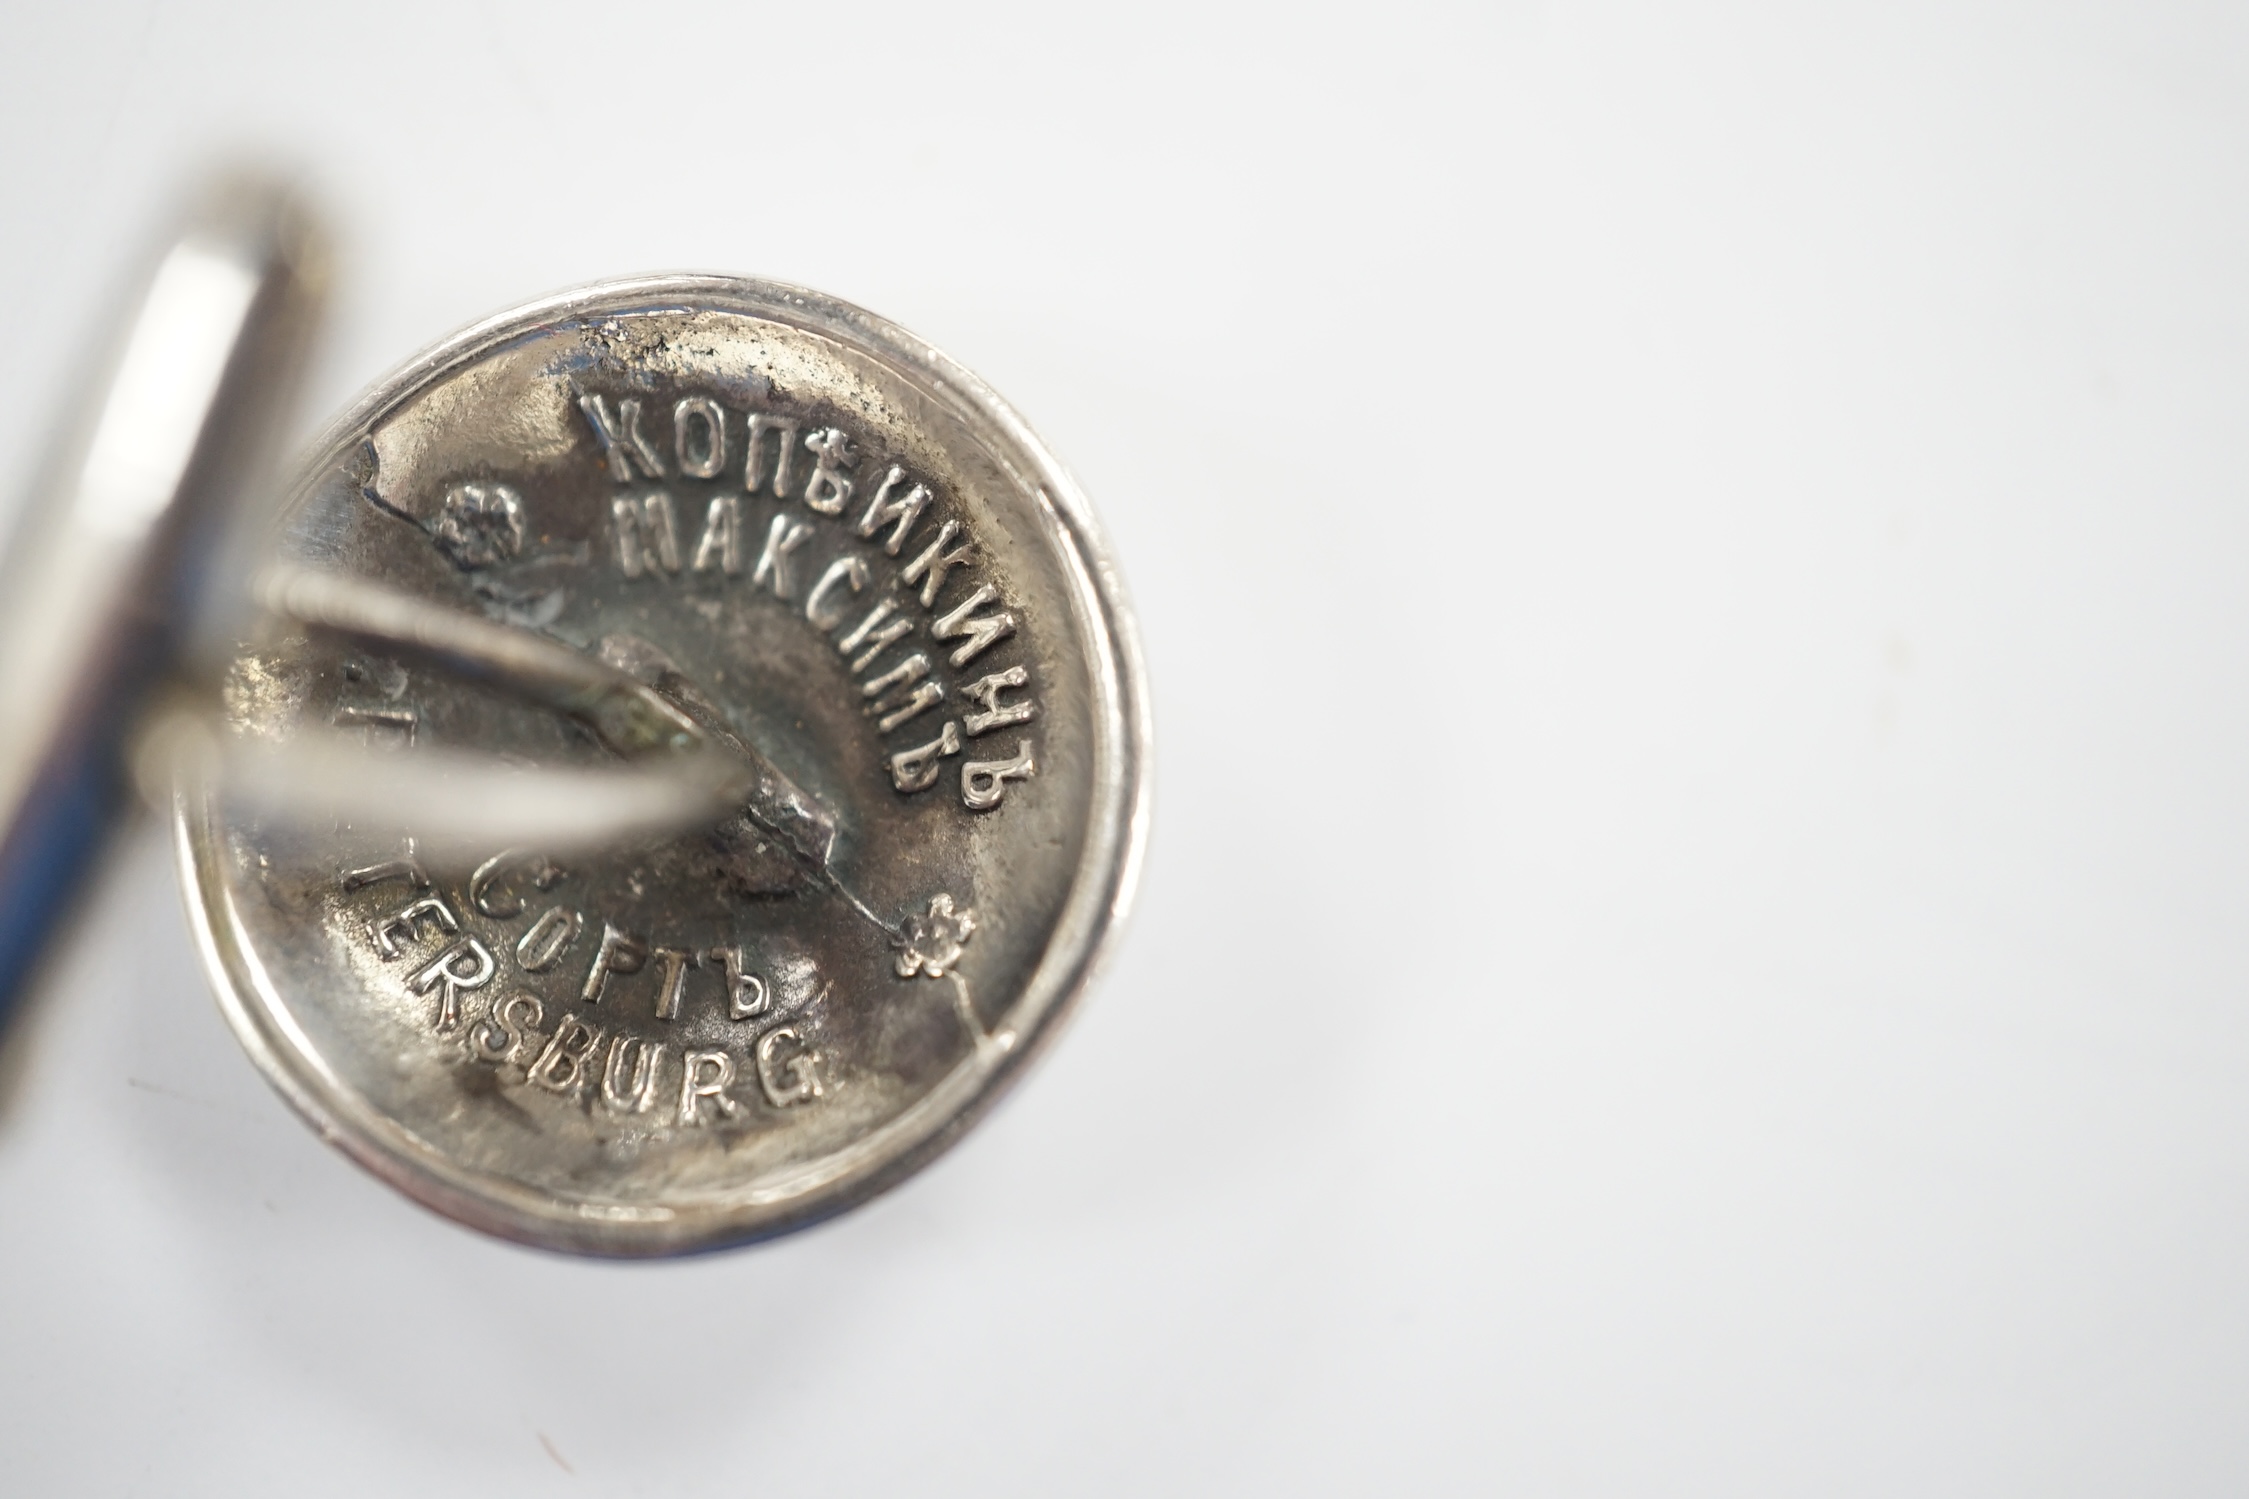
x=859, y=573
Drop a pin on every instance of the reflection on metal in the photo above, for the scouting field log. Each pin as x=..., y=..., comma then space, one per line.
x=104, y=591
x=577, y=763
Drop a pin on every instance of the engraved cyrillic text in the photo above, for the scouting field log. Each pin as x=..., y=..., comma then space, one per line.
x=699, y=437
x=821, y=543
x=618, y=953
x=984, y=782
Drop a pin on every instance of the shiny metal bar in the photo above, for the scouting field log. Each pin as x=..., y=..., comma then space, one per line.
x=111, y=559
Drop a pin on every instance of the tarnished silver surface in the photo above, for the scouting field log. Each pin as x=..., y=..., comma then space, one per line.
x=859, y=585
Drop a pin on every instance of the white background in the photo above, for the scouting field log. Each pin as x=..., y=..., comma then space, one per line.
x=1691, y=566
